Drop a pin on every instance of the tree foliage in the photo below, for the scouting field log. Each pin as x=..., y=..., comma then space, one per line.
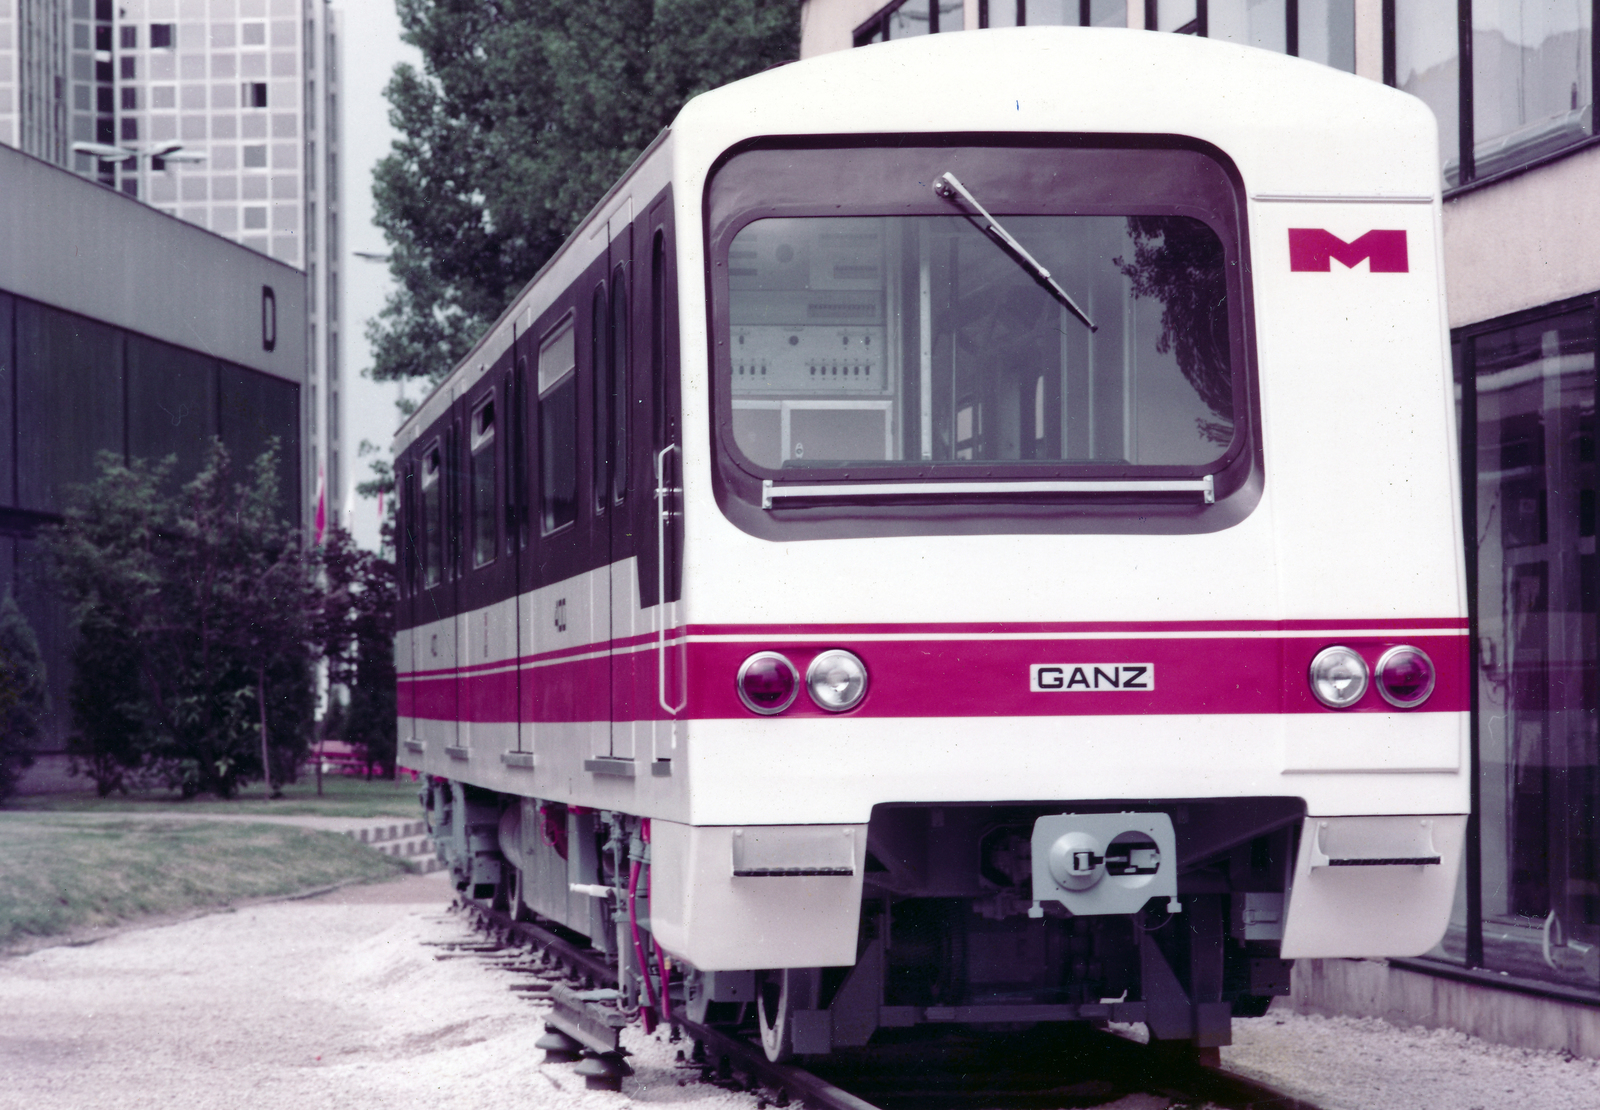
x=355, y=632
x=194, y=617
x=22, y=693
x=524, y=113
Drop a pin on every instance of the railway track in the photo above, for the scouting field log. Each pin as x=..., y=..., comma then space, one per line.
x=1051, y=1068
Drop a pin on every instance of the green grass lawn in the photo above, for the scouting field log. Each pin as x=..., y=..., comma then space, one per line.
x=341, y=797
x=60, y=873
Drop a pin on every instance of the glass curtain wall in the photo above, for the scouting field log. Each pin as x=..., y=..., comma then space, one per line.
x=1531, y=906
x=1318, y=30
x=1525, y=92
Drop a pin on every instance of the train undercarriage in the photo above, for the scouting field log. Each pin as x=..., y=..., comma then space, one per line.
x=951, y=932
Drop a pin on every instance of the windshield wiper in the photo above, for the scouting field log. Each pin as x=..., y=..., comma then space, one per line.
x=952, y=190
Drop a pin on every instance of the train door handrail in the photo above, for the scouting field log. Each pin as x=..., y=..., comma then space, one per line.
x=663, y=514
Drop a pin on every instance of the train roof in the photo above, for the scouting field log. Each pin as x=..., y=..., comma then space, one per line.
x=1294, y=129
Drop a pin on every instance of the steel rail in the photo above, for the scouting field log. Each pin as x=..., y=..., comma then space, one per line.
x=724, y=1051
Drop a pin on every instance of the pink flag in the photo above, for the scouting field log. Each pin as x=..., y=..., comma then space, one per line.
x=319, y=523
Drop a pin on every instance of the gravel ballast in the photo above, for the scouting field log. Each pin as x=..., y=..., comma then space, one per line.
x=339, y=1002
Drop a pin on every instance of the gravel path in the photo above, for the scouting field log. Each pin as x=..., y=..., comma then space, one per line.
x=337, y=1002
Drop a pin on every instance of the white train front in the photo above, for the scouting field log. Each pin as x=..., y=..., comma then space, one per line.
x=966, y=531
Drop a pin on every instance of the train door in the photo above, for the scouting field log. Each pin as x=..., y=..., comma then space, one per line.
x=612, y=349
x=666, y=533
x=434, y=631
x=487, y=631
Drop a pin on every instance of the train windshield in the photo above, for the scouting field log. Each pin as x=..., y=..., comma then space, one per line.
x=919, y=339
x=884, y=344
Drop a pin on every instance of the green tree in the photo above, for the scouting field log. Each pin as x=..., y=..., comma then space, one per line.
x=524, y=113
x=200, y=609
x=22, y=693
x=355, y=633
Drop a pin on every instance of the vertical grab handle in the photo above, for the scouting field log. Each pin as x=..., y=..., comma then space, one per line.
x=663, y=515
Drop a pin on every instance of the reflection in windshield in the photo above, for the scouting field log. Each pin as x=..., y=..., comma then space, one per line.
x=881, y=340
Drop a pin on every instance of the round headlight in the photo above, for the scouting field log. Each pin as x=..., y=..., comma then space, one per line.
x=1405, y=676
x=768, y=683
x=1338, y=677
x=837, y=680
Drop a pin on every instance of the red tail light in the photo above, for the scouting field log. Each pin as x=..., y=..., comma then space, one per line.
x=768, y=683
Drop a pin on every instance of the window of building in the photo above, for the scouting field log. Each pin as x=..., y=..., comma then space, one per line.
x=910, y=18
x=130, y=38
x=1527, y=94
x=102, y=38
x=253, y=34
x=253, y=94
x=1317, y=30
x=1052, y=13
x=129, y=129
x=1528, y=420
x=255, y=218
x=104, y=100
x=161, y=36
x=558, y=429
x=255, y=157
x=129, y=71
x=130, y=99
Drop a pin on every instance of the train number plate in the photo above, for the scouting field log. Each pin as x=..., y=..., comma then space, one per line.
x=1088, y=678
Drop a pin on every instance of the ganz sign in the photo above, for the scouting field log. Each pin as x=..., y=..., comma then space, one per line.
x=1311, y=250
x=1084, y=678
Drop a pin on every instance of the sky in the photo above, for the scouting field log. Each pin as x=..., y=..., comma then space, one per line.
x=372, y=48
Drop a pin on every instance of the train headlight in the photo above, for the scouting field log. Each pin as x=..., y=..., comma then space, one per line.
x=1338, y=677
x=1405, y=676
x=837, y=680
x=768, y=683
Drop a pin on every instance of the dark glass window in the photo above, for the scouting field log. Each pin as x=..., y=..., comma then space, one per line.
x=129, y=70
x=617, y=370
x=1539, y=786
x=161, y=35
x=257, y=409
x=69, y=402
x=558, y=429
x=172, y=405
x=430, y=515
x=599, y=358
x=911, y=18
x=102, y=38
x=253, y=94
x=482, y=492
x=130, y=38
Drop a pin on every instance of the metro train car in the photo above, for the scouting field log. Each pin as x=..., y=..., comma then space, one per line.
x=966, y=532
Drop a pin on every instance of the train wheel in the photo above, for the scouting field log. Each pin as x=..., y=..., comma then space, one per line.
x=778, y=995
x=519, y=907
x=774, y=1008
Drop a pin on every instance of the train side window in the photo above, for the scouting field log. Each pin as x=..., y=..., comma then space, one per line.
x=520, y=463
x=558, y=428
x=430, y=517
x=617, y=371
x=481, y=489
x=600, y=361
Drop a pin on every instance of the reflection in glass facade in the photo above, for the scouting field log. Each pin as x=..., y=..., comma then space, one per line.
x=1530, y=89
x=1532, y=907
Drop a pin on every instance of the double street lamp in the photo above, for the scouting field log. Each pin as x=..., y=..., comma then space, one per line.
x=158, y=154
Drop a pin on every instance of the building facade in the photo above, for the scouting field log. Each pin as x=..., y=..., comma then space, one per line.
x=223, y=113
x=126, y=330
x=1512, y=86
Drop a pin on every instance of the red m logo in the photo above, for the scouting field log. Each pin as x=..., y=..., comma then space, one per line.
x=1311, y=249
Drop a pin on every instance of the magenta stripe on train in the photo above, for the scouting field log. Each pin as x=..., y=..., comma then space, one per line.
x=943, y=677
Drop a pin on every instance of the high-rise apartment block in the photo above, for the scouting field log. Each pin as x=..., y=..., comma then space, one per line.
x=223, y=113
